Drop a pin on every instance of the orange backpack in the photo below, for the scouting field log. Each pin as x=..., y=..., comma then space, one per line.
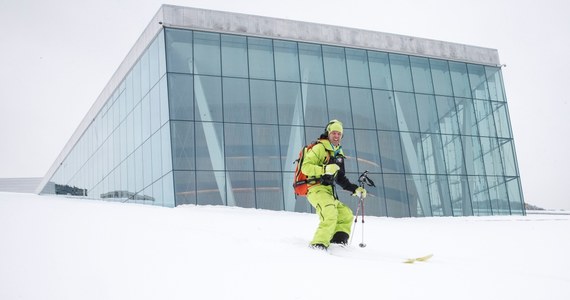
x=301, y=181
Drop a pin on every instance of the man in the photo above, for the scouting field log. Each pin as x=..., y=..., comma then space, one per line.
x=325, y=162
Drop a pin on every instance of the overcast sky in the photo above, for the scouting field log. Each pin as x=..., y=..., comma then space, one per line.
x=57, y=56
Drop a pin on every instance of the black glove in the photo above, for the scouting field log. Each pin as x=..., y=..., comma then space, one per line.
x=327, y=179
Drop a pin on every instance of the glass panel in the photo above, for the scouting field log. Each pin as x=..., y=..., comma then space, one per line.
x=139, y=169
x=286, y=61
x=349, y=149
x=137, y=83
x=156, y=156
x=367, y=152
x=315, y=102
x=183, y=149
x=492, y=156
x=495, y=80
x=236, y=100
x=421, y=75
x=209, y=146
x=163, y=94
x=129, y=92
x=122, y=106
x=130, y=138
x=478, y=81
x=122, y=140
x=166, y=149
x=473, y=155
x=459, y=79
x=269, y=190
x=211, y=188
x=208, y=93
x=147, y=163
x=162, y=56
x=433, y=156
x=460, y=196
x=466, y=116
x=391, y=152
x=508, y=157
x=240, y=189
x=234, y=56
x=313, y=133
x=406, y=111
x=157, y=193
x=385, y=109
x=289, y=103
x=480, y=196
x=335, y=65
x=263, y=101
x=311, y=62
x=441, y=77
x=501, y=119
x=412, y=152
x=363, y=116
x=207, y=53
x=154, y=98
x=498, y=193
x=440, y=198
x=515, y=196
x=131, y=184
x=266, y=148
x=145, y=73
x=427, y=113
x=178, y=50
x=147, y=196
x=153, y=61
x=376, y=203
x=145, y=105
x=484, y=114
x=238, y=147
x=380, y=70
x=339, y=105
x=168, y=190
x=260, y=58
x=453, y=154
x=291, y=139
x=418, y=195
x=357, y=64
x=396, y=195
x=401, y=73
x=447, y=115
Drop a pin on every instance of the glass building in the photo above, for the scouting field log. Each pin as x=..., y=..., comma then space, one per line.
x=212, y=108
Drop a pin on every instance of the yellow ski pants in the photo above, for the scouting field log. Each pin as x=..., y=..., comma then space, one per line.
x=334, y=215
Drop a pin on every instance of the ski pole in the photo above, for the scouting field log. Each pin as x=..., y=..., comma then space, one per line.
x=355, y=221
x=362, y=179
x=362, y=244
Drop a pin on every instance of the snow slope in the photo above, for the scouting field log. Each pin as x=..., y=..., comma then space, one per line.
x=59, y=248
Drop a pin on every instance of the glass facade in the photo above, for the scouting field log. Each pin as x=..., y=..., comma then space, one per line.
x=125, y=154
x=212, y=118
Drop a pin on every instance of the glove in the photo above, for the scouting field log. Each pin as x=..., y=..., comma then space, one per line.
x=360, y=192
x=331, y=169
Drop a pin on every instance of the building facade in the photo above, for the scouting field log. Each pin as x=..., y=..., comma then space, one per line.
x=212, y=108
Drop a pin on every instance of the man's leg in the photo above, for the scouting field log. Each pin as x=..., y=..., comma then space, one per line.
x=326, y=207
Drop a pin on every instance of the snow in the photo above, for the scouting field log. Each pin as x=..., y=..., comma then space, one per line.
x=61, y=248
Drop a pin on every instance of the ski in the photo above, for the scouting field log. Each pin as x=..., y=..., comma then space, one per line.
x=420, y=259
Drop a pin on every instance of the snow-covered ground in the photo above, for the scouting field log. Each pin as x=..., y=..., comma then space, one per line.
x=59, y=248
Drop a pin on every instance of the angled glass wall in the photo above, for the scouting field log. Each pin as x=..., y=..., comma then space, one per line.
x=125, y=155
x=210, y=118
x=434, y=134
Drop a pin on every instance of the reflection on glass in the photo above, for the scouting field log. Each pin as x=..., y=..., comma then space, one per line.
x=208, y=118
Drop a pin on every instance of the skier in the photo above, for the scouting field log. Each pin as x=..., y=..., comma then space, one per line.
x=335, y=217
